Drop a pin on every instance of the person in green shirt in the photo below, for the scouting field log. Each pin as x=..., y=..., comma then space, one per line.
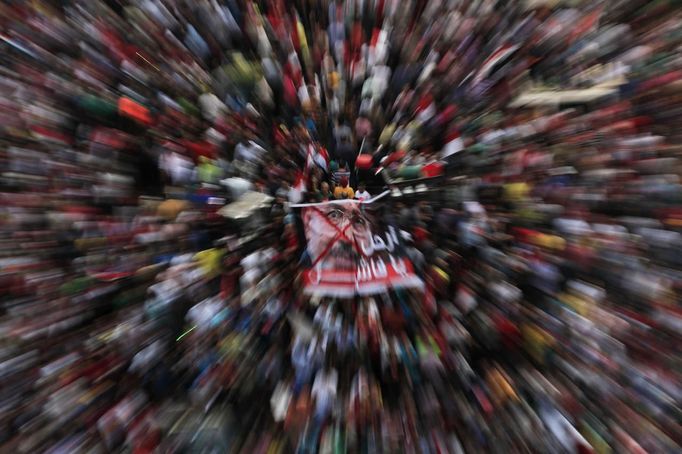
x=324, y=194
x=208, y=171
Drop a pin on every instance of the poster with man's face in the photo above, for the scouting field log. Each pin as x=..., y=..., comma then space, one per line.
x=350, y=250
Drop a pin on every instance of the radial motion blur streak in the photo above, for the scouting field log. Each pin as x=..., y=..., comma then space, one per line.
x=362, y=226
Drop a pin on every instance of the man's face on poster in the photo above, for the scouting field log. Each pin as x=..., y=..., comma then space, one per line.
x=334, y=232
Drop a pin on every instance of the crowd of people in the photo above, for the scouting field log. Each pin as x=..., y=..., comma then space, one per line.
x=153, y=156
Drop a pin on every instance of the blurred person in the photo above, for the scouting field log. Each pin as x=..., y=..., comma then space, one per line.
x=343, y=190
x=339, y=169
x=324, y=392
x=178, y=167
x=361, y=194
x=324, y=194
x=343, y=141
x=208, y=172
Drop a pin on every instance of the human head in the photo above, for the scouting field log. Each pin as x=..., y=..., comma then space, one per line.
x=334, y=231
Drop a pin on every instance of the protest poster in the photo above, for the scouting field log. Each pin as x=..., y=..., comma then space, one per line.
x=351, y=249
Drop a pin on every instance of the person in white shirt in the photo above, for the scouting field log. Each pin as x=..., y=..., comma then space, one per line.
x=249, y=151
x=177, y=166
x=324, y=391
x=361, y=193
x=280, y=400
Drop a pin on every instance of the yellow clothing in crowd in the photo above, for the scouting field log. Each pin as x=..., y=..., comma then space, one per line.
x=516, y=191
x=344, y=193
x=210, y=261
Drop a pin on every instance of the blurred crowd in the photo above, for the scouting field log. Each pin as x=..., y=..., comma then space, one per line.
x=153, y=152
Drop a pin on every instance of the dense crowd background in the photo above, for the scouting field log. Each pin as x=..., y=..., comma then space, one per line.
x=150, y=155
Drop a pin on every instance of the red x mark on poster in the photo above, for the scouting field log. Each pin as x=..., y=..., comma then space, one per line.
x=340, y=234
